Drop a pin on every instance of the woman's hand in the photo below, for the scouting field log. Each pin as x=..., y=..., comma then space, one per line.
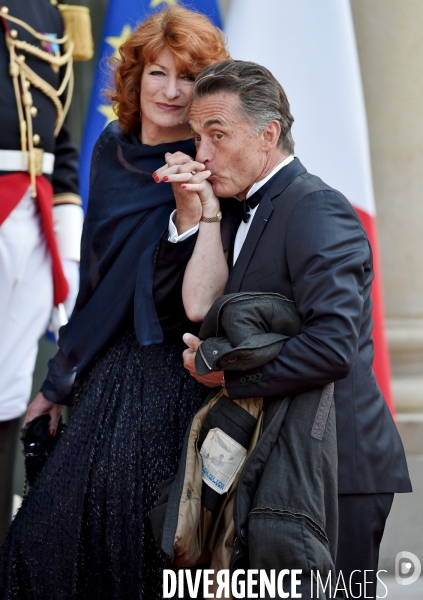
x=40, y=406
x=194, y=195
x=175, y=161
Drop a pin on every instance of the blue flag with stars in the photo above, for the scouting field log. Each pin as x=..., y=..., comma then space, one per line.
x=121, y=18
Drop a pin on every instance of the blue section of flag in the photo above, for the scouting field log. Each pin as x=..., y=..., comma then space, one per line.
x=120, y=16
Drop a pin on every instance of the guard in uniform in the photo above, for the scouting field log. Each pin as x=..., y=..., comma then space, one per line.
x=40, y=207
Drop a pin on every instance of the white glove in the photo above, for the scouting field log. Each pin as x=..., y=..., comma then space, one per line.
x=68, y=222
x=61, y=313
x=57, y=319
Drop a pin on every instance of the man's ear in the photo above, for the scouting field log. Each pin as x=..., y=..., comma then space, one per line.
x=271, y=135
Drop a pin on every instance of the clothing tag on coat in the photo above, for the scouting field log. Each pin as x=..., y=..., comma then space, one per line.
x=222, y=459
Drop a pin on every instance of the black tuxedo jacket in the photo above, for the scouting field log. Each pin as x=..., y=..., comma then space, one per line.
x=307, y=243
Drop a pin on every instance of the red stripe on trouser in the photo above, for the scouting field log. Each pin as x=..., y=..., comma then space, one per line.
x=12, y=190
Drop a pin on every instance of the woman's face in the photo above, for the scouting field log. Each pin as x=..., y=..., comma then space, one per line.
x=165, y=100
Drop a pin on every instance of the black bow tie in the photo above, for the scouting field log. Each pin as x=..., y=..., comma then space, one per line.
x=254, y=199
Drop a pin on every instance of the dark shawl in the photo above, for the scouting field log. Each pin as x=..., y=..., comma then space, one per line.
x=127, y=214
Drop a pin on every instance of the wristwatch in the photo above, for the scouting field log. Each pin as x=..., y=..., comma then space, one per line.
x=215, y=219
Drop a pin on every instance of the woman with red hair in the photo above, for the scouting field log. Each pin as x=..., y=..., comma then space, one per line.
x=83, y=530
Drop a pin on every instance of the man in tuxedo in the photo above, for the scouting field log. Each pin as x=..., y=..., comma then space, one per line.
x=302, y=239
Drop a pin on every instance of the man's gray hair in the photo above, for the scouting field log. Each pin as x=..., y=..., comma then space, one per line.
x=262, y=98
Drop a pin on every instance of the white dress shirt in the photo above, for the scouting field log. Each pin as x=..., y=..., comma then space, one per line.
x=173, y=232
x=243, y=228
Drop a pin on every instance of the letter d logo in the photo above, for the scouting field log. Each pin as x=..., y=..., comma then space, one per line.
x=404, y=561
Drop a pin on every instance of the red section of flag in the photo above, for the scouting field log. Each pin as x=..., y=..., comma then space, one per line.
x=12, y=189
x=381, y=363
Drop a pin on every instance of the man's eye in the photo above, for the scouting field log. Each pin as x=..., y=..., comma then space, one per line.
x=196, y=139
x=218, y=136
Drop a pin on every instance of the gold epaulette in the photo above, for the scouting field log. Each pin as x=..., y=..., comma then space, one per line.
x=77, y=23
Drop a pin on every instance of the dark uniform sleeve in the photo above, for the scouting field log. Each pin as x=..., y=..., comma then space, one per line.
x=65, y=175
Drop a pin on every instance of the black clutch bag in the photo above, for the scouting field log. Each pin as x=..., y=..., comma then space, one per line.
x=38, y=445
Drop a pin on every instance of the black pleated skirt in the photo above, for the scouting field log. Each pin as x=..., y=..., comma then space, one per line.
x=83, y=531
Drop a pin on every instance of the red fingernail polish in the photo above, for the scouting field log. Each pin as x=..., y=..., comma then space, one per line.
x=156, y=179
x=165, y=178
x=154, y=174
x=52, y=433
x=184, y=187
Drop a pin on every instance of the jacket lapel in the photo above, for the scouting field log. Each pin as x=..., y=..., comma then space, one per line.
x=260, y=220
x=258, y=224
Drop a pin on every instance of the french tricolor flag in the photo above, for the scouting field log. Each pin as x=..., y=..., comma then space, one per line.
x=310, y=47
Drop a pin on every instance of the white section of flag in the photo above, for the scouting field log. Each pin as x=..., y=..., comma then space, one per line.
x=309, y=46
